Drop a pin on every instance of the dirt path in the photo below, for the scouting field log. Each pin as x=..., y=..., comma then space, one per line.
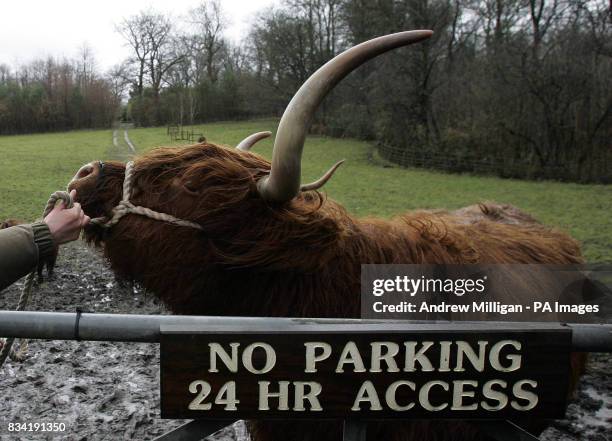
x=122, y=150
x=128, y=141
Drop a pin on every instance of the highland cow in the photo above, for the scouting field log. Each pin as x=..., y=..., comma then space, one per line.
x=268, y=246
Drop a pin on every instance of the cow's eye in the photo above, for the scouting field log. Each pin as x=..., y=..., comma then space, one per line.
x=191, y=187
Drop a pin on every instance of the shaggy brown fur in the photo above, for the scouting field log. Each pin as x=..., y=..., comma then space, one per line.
x=299, y=259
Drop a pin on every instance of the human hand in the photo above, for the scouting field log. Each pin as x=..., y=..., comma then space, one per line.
x=65, y=224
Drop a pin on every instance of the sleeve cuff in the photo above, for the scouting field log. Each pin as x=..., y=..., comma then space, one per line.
x=44, y=241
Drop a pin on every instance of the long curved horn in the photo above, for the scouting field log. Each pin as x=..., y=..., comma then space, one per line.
x=248, y=142
x=283, y=183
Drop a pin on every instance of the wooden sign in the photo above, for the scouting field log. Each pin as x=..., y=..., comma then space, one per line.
x=377, y=371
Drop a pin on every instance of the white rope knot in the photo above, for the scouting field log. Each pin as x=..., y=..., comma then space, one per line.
x=126, y=207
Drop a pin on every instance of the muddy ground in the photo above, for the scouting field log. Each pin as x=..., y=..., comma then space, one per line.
x=110, y=391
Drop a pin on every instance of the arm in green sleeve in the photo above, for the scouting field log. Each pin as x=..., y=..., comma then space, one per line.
x=21, y=248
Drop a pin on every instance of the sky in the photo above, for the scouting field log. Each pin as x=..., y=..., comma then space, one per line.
x=31, y=29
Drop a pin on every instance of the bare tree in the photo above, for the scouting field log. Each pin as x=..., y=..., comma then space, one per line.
x=181, y=78
x=120, y=78
x=163, y=52
x=209, y=22
x=133, y=31
x=87, y=67
x=150, y=35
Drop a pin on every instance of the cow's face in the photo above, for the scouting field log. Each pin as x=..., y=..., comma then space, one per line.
x=98, y=185
x=216, y=188
x=205, y=184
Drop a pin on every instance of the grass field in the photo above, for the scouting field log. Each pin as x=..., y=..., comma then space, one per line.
x=33, y=166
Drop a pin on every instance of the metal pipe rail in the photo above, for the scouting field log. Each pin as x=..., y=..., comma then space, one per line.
x=147, y=328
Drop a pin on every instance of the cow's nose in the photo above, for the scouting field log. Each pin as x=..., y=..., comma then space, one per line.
x=83, y=172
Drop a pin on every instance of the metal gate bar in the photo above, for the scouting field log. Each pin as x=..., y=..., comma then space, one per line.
x=505, y=431
x=352, y=430
x=146, y=328
x=195, y=430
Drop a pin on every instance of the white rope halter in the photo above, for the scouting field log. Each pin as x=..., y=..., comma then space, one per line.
x=126, y=207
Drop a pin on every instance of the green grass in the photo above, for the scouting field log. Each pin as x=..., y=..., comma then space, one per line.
x=33, y=166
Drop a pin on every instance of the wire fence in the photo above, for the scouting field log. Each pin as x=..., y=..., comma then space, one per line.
x=499, y=166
